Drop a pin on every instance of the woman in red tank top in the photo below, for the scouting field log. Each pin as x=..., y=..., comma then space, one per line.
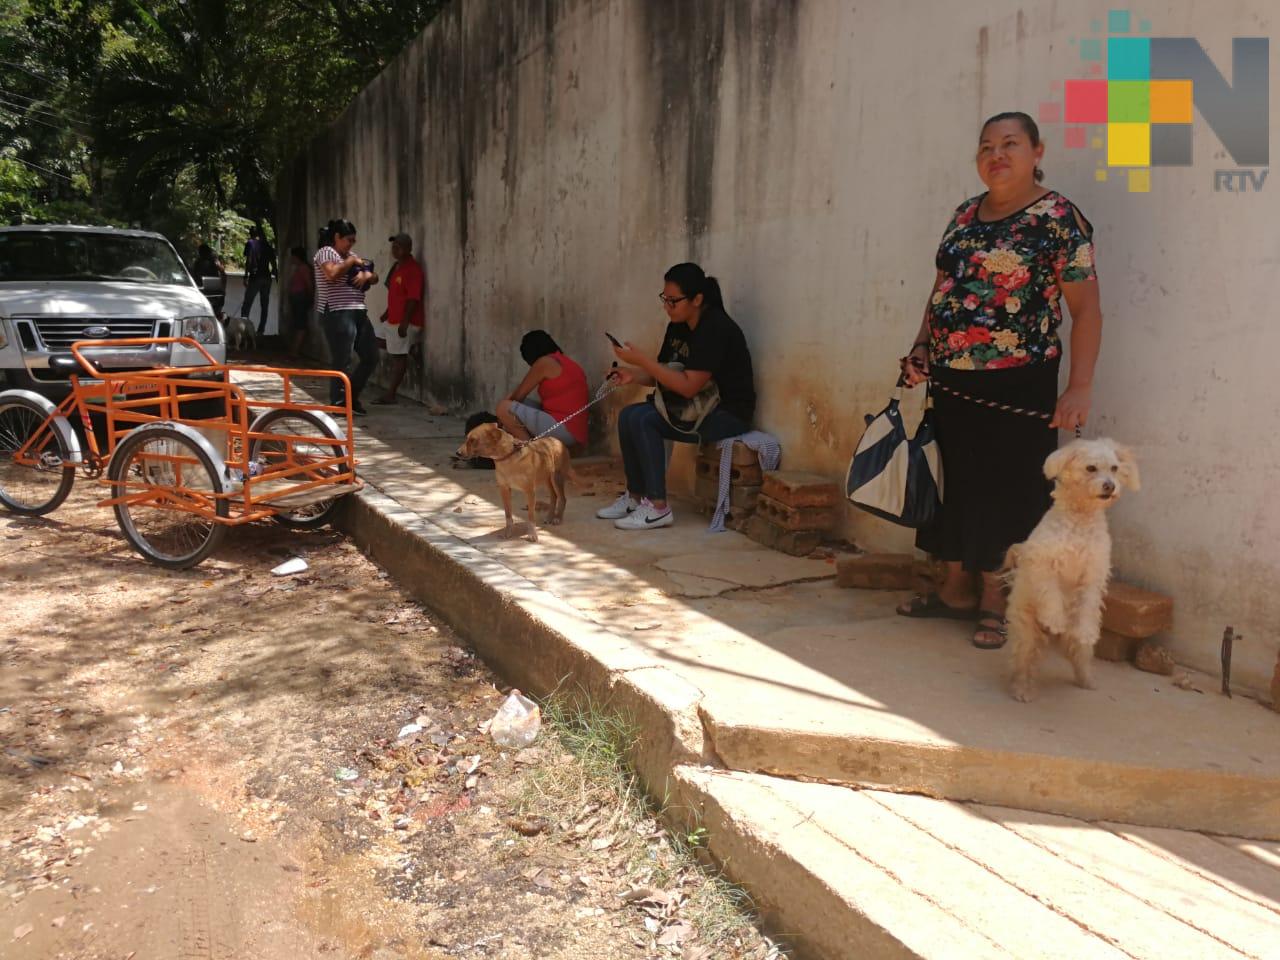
x=562, y=389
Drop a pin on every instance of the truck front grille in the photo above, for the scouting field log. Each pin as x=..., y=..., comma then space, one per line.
x=60, y=333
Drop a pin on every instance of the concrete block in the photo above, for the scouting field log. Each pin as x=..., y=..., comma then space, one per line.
x=741, y=496
x=1133, y=612
x=830, y=901
x=873, y=874
x=735, y=519
x=1116, y=648
x=1154, y=658
x=1114, y=917
x=746, y=475
x=1160, y=880
x=876, y=571
x=796, y=489
x=663, y=710
x=795, y=518
x=797, y=543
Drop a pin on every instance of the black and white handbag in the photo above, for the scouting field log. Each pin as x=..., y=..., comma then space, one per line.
x=895, y=476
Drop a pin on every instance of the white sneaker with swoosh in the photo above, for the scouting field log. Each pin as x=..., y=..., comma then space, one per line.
x=619, y=508
x=646, y=517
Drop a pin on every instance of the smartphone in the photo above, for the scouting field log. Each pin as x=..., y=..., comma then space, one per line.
x=612, y=339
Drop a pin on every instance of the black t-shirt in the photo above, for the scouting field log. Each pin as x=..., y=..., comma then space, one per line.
x=716, y=345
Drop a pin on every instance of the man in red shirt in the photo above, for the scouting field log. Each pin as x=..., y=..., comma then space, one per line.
x=403, y=319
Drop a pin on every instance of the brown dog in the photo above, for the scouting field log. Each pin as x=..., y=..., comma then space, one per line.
x=523, y=465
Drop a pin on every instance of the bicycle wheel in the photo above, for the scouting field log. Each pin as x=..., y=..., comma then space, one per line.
x=171, y=526
x=280, y=454
x=41, y=480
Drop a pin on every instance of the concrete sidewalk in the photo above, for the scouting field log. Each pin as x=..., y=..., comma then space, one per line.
x=748, y=670
x=797, y=677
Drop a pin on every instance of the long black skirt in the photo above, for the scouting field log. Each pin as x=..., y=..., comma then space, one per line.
x=994, y=489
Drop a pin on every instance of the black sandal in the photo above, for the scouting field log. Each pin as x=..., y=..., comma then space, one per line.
x=994, y=623
x=932, y=606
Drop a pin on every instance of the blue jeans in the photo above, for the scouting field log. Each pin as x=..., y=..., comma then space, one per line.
x=641, y=432
x=257, y=287
x=345, y=329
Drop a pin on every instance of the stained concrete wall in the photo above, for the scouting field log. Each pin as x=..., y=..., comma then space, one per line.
x=554, y=156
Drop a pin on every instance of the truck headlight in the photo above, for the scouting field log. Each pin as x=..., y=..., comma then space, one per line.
x=201, y=329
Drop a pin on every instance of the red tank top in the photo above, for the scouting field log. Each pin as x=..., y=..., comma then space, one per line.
x=566, y=393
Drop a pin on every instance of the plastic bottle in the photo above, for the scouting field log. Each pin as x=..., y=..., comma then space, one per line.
x=517, y=722
x=256, y=469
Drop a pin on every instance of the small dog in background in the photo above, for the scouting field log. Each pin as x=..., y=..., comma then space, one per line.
x=240, y=332
x=525, y=466
x=1059, y=574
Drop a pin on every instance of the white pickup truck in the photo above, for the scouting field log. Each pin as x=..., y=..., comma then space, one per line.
x=60, y=284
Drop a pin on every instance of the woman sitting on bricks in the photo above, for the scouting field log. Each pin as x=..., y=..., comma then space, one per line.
x=562, y=390
x=705, y=391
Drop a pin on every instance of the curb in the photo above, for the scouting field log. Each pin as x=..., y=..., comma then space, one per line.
x=1221, y=802
x=531, y=637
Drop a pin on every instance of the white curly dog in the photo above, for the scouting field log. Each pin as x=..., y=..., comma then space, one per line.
x=240, y=334
x=1059, y=574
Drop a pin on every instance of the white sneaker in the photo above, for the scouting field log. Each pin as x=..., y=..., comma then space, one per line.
x=646, y=517
x=619, y=508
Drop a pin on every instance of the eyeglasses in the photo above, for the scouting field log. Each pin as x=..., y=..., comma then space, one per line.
x=670, y=301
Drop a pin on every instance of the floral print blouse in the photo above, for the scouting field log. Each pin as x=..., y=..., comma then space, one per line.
x=999, y=303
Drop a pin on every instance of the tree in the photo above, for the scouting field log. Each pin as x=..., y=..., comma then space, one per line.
x=178, y=112
x=44, y=52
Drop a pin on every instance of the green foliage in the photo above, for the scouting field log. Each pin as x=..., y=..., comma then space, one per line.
x=177, y=115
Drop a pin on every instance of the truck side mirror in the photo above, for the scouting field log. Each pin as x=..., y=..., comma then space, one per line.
x=211, y=285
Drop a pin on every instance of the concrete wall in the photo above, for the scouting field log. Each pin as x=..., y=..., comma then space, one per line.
x=554, y=156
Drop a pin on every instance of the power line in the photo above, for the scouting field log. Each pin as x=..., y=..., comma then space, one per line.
x=35, y=100
x=29, y=73
x=28, y=109
x=18, y=96
x=43, y=123
x=36, y=166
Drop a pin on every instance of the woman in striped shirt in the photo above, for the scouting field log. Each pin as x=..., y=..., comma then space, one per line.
x=342, y=277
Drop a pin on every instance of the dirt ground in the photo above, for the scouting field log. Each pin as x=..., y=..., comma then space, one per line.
x=209, y=764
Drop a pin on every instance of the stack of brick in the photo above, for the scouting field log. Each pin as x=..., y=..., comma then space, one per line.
x=794, y=511
x=878, y=571
x=888, y=571
x=1130, y=618
x=745, y=478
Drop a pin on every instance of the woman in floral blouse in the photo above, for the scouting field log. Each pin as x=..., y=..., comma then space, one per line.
x=1007, y=260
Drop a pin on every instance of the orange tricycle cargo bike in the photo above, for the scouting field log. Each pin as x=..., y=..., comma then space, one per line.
x=184, y=451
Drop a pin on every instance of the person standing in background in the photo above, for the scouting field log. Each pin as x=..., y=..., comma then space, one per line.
x=259, y=271
x=402, y=321
x=342, y=277
x=208, y=264
x=302, y=297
